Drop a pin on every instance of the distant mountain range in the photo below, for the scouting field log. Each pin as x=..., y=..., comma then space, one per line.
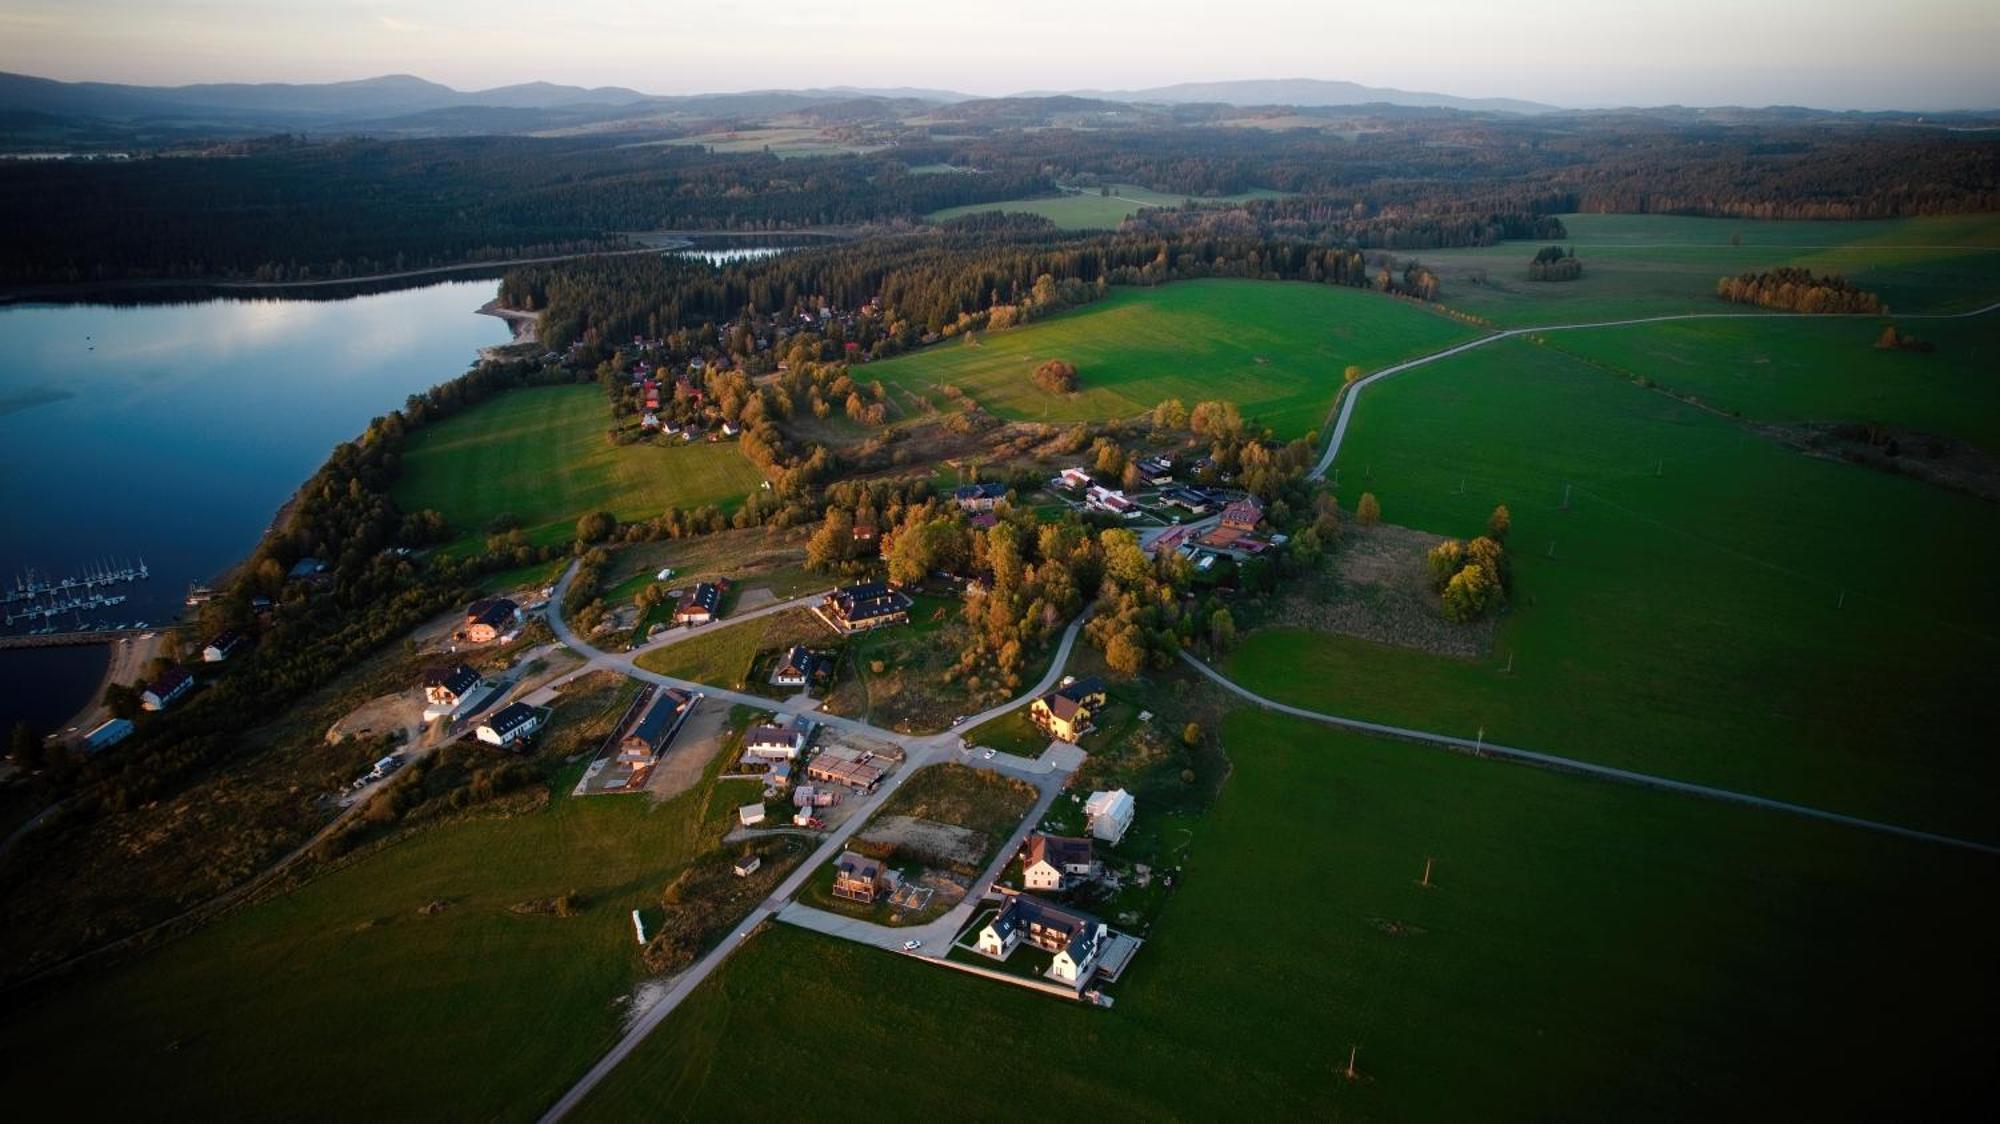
x=42, y=113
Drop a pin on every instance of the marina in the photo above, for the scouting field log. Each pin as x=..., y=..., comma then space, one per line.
x=35, y=598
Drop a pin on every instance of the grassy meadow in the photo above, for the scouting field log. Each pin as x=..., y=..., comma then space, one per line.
x=541, y=454
x=1587, y=952
x=343, y=999
x=1793, y=371
x=1717, y=608
x=1090, y=209
x=1656, y=265
x=1277, y=349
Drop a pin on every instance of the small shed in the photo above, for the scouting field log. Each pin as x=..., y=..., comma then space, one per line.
x=749, y=815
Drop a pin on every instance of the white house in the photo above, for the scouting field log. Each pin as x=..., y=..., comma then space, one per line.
x=750, y=815
x=222, y=647
x=1075, y=938
x=781, y=742
x=1109, y=814
x=512, y=723
x=1056, y=862
x=161, y=693
x=1109, y=499
x=1073, y=478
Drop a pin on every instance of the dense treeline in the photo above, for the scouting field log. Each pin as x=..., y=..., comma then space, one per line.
x=1794, y=289
x=1403, y=182
x=927, y=285
x=1552, y=263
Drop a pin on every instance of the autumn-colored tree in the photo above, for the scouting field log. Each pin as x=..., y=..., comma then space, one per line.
x=1170, y=414
x=1222, y=631
x=1057, y=377
x=1110, y=458
x=1353, y=373
x=1191, y=735
x=1499, y=523
x=1369, y=511
x=1126, y=653
x=1444, y=560
x=1469, y=594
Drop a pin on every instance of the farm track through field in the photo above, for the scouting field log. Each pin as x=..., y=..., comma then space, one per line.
x=1347, y=399
x=1482, y=748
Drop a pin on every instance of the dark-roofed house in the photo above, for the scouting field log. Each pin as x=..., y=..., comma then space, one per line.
x=1066, y=711
x=514, y=722
x=1157, y=471
x=1056, y=862
x=223, y=647
x=1194, y=500
x=978, y=497
x=657, y=726
x=161, y=693
x=780, y=742
x=445, y=686
x=856, y=877
x=1076, y=938
x=701, y=606
x=858, y=608
x=488, y=618
x=800, y=667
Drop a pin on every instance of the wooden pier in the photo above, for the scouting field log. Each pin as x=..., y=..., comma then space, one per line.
x=71, y=639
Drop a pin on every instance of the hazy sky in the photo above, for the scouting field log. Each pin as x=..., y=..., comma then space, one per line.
x=1918, y=54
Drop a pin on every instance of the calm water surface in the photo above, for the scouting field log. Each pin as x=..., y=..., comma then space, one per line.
x=174, y=433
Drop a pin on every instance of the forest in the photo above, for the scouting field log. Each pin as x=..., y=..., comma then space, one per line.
x=353, y=207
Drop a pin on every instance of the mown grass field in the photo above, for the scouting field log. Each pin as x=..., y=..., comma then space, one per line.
x=1091, y=210
x=1796, y=370
x=341, y=1000
x=541, y=454
x=1587, y=952
x=1650, y=265
x=721, y=653
x=1277, y=349
x=1717, y=608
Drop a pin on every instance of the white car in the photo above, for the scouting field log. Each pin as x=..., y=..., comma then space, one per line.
x=988, y=755
x=912, y=946
x=665, y=574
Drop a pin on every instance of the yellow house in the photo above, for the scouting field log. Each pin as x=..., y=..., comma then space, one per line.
x=1066, y=711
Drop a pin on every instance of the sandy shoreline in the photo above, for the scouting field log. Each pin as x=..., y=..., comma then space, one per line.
x=522, y=324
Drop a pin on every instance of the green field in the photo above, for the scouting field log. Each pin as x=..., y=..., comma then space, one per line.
x=1803, y=370
x=1718, y=608
x=1649, y=265
x=1277, y=349
x=341, y=1000
x=722, y=652
x=542, y=455
x=1091, y=210
x=1587, y=952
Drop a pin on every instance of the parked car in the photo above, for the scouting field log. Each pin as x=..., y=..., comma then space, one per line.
x=912, y=946
x=988, y=755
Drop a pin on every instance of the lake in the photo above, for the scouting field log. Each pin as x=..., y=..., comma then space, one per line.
x=174, y=432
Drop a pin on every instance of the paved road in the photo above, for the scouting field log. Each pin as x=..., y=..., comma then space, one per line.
x=1483, y=748
x=920, y=750
x=1353, y=392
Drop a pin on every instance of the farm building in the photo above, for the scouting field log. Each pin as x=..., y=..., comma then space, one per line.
x=511, y=724
x=1066, y=711
x=1196, y=501
x=1156, y=471
x=1056, y=862
x=1100, y=498
x=1076, y=938
x=1073, y=478
x=161, y=693
x=856, y=877
x=830, y=768
x=858, y=608
x=650, y=735
x=1109, y=814
x=746, y=866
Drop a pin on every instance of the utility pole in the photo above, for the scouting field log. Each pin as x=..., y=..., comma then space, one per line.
x=1351, y=1074
x=1510, y=664
x=1480, y=745
x=1552, y=548
x=1426, y=883
x=1843, y=600
x=1565, y=497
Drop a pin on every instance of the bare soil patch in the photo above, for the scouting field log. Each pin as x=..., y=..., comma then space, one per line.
x=681, y=766
x=927, y=839
x=1376, y=586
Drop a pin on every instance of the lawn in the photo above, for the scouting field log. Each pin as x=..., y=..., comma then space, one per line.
x=1792, y=371
x=344, y=999
x=1714, y=607
x=1013, y=732
x=1587, y=951
x=722, y=653
x=1649, y=265
x=1090, y=209
x=541, y=454
x=1277, y=349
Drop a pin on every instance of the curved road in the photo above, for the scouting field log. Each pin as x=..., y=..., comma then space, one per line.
x=919, y=751
x=1325, y=464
